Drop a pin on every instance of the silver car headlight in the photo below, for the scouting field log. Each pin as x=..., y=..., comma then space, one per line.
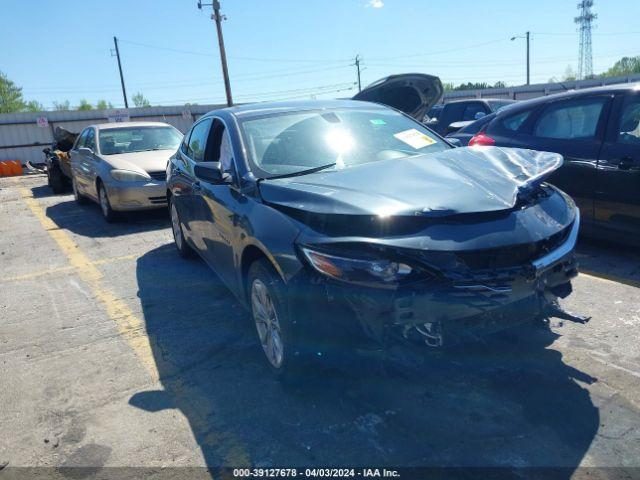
x=356, y=270
x=129, y=176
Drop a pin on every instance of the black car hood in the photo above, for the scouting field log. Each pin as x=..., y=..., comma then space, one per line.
x=451, y=182
x=411, y=93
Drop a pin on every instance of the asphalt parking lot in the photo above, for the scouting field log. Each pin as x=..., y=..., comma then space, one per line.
x=116, y=352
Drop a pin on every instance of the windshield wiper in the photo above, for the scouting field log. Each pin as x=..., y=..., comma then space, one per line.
x=303, y=172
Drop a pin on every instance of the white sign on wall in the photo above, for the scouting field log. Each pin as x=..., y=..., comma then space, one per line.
x=42, y=122
x=118, y=116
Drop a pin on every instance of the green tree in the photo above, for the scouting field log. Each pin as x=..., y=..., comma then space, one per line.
x=64, y=105
x=624, y=66
x=10, y=96
x=139, y=100
x=34, y=106
x=103, y=105
x=84, y=105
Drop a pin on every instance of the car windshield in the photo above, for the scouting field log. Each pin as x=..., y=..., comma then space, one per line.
x=295, y=142
x=138, y=139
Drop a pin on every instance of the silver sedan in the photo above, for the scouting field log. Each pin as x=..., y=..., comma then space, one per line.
x=122, y=166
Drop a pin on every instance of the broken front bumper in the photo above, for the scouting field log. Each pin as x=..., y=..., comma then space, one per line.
x=434, y=311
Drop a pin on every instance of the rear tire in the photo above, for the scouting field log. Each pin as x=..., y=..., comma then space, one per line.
x=107, y=212
x=79, y=198
x=267, y=302
x=56, y=180
x=183, y=247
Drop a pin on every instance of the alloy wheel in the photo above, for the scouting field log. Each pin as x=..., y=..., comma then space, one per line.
x=104, y=202
x=267, y=324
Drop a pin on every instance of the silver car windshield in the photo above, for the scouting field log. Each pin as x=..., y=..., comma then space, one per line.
x=284, y=144
x=115, y=141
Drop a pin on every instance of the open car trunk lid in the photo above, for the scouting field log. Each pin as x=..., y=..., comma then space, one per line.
x=411, y=93
x=64, y=139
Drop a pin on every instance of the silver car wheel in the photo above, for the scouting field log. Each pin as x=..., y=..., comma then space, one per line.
x=104, y=201
x=175, y=226
x=267, y=324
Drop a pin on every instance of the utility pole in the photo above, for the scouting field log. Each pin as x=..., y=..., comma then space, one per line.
x=223, y=55
x=124, y=91
x=528, y=64
x=527, y=36
x=357, y=64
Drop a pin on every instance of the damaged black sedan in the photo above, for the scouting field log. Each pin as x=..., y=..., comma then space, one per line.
x=349, y=224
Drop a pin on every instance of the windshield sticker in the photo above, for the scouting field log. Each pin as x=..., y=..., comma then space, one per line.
x=378, y=121
x=415, y=139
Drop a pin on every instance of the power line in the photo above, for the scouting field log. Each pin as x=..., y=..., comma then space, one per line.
x=598, y=34
x=251, y=59
x=457, y=49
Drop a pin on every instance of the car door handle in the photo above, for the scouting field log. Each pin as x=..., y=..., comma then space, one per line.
x=625, y=163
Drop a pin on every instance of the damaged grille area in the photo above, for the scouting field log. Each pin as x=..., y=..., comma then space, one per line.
x=515, y=255
x=493, y=259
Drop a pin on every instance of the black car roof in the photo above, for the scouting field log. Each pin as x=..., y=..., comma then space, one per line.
x=526, y=104
x=262, y=108
x=484, y=100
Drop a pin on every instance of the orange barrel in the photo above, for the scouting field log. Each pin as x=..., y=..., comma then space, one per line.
x=4, y=169
x=17, y=167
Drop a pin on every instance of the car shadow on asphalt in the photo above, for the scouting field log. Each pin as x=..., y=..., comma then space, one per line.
x=509, y=401
x=87, y=220
x=43, y=191
x=620, y=263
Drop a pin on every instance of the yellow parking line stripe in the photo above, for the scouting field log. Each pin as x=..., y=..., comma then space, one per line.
x=40, y=273
x=68, y=268
x=130, y=327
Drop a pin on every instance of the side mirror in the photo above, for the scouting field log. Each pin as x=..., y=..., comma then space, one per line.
x=210, y=172
x=85, y=151
x=455, y=142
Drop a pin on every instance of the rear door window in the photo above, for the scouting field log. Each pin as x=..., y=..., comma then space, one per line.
x=198, y=140
x=628, y=130
x=451, y=113
x=473, y=109
x=570, y=119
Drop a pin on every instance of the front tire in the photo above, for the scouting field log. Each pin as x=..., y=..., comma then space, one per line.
x=267, y=299
x=107, y=212
x=183, y=247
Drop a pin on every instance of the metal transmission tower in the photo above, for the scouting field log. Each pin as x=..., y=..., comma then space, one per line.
x=585, y=62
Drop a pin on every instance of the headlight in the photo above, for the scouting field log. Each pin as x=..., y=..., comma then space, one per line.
x=129, y=176
x=357, y=270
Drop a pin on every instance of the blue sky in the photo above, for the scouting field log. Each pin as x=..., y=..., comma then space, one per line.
x=59, y=50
